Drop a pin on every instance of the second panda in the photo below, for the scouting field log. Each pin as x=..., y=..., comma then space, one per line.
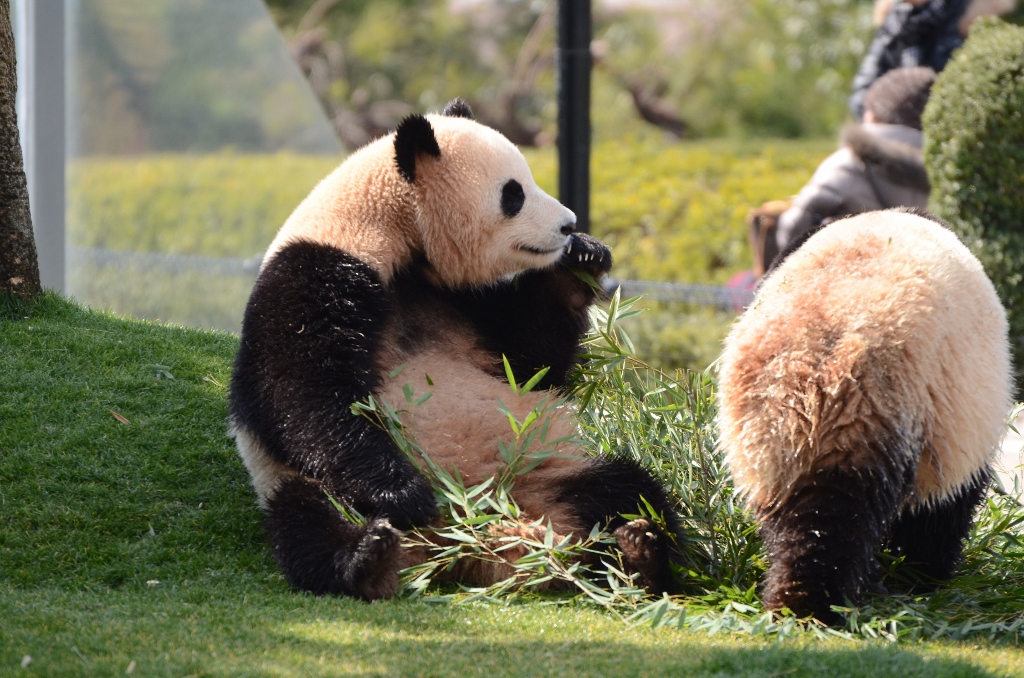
x=861, y=398
x=431, y=249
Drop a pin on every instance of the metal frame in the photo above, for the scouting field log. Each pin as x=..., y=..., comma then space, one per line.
x=41, y=57
x=40, y=43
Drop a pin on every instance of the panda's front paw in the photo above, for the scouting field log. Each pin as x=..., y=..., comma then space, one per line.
x=410, y=505
x=644, y=551
x=587, y=253
x=371, y=572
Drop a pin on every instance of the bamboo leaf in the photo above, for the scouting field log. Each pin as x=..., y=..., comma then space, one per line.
x=534, y=380
x=508, y=375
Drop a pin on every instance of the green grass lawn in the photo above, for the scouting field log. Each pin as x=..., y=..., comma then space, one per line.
x=94, y=512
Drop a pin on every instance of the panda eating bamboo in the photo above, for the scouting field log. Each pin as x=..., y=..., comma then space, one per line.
x=432, y=248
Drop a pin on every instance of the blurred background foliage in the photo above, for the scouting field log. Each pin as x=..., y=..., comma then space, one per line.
x=695, y=68
x=219, y=205
x=671, y=212
x=702, y=110
x=193, y=76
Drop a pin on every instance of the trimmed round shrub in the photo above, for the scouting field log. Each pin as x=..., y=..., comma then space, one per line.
x=974, y=150
x=1016, y=16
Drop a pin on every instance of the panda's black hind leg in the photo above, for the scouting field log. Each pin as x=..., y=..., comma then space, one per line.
x=931, y=538
x=608, y=488
x=822, y=537
x=321, y=552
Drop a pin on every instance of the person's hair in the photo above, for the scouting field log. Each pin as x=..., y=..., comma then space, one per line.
x=899, y=96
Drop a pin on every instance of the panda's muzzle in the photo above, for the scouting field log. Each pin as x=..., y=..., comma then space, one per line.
x=535, y=250
x=565, y=229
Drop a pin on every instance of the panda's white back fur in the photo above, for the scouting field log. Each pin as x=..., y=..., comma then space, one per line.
x=882, y=320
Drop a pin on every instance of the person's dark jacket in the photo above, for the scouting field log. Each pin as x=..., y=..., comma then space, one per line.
x=876, y=167
x=910, y=35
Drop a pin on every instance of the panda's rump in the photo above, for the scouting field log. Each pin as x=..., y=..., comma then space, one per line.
x=865, y=334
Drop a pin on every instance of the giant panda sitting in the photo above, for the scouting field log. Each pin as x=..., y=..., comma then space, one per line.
x=432, y=249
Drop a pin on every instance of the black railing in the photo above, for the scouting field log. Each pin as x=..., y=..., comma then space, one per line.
x=725, y=298
x=574, y=66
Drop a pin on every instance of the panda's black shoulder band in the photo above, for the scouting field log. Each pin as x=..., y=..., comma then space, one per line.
x=414, y=137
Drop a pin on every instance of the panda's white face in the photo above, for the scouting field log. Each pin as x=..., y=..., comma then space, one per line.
x=481, y=215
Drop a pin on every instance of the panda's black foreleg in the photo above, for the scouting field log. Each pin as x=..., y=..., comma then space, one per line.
x=538, y=319
x=931, y=538
x=321, y=552
x=822, y=537
x=310, y=336
x=608, y=488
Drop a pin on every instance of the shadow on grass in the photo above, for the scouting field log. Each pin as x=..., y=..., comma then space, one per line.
x=600, y=650
x=229, y=633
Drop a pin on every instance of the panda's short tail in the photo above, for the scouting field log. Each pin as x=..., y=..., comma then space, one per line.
x=319, y=551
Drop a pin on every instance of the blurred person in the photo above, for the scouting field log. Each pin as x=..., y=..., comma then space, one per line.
x=762, y=223
x=878, y=165
x=917, y=33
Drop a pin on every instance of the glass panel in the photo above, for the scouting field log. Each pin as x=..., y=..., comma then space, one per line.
x=192, y=135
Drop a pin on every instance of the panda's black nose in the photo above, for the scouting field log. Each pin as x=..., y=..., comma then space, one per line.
x=568, y=228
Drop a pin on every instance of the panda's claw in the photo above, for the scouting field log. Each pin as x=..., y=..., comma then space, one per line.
x=371, y=572
x=643, y=550
x=587, y=253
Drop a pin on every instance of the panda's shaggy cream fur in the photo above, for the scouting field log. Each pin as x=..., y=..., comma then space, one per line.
x=449, y=213
x=434, y=251
x=862, y=396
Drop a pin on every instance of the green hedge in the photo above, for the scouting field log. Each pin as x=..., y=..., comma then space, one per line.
x=670, y=212
x=974, y=149
x=675, y=211
x=224, y=205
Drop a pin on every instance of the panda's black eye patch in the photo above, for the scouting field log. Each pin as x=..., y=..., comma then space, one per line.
x=512, y=198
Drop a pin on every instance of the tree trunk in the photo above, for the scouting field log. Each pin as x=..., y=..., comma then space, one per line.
x=19, y=265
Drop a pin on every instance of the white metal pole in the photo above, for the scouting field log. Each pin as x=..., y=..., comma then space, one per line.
x=41, y=118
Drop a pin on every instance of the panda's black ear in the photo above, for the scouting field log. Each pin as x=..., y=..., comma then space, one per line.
x=457, y=108
x=414, y=137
